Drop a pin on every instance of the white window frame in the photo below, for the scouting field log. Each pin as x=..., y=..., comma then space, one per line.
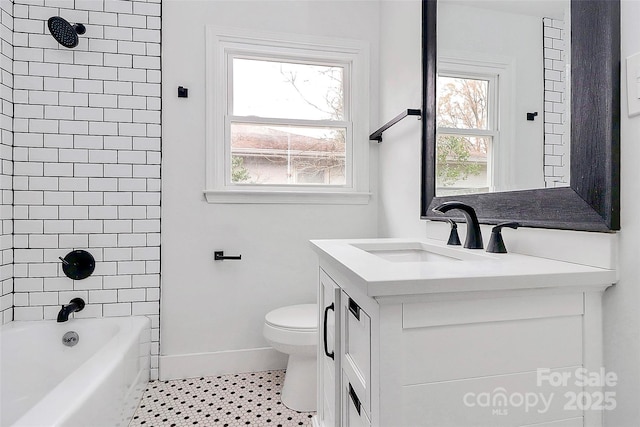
x=224, y=44
x=499, y=72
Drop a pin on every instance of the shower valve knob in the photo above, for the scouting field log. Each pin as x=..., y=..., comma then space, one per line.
x=78, y=264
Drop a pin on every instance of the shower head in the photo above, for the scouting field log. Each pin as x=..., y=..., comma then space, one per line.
x=65, y=33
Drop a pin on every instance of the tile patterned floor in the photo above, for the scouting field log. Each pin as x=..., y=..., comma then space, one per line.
x=234, y=400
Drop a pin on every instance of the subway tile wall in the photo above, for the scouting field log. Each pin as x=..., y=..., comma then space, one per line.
x=556, y=157
x=6, y=165
x=86, y=158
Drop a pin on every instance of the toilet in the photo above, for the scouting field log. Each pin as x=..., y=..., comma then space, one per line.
x=294, y=330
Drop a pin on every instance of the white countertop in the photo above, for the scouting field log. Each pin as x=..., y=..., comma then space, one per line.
x=474, y=269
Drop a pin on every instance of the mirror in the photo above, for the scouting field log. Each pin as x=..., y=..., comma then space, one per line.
x=591, y=200
x=502, y=95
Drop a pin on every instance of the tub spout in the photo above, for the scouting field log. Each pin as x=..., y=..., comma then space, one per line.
x=76, y=304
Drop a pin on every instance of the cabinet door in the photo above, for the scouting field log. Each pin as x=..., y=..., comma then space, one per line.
x=354, y=413
x=328, y=352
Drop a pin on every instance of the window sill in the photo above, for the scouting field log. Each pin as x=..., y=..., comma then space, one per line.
x=287, y=197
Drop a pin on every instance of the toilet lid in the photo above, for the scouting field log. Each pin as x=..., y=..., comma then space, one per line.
x=303, y=316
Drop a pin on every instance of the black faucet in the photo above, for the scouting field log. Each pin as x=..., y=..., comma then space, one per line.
x=76, y=304
x=474, y=235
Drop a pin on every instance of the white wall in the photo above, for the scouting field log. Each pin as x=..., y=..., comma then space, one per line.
x=622, y=302
x=400, y=88
x=399, y=208
x=211, y=311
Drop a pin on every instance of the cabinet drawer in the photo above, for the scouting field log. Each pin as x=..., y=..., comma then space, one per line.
x=492, y=348
x=355, y=414
x=357, y=339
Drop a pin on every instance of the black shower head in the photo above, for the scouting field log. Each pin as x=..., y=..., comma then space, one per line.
x=65, y=33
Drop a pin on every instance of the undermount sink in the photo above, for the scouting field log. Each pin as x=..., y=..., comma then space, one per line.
x=416, y=252
x=410, y=255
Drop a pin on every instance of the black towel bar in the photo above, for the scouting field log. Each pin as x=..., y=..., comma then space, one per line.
x=377, y=135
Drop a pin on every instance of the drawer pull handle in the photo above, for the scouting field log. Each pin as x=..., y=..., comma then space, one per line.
x=354, y=308
x=326, y=347
x=354, y=399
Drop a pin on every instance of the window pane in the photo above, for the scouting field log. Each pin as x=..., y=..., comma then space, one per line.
x=462, y=103
x=285, y=90
x=461, y=164
x=267, y=154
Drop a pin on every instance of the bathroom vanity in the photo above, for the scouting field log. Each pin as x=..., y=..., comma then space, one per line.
x=417, y=333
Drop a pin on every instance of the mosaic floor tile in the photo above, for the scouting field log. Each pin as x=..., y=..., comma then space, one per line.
x=234, y=400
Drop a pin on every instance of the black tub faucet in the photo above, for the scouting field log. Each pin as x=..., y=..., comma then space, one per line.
x=76, y=304
x=474, y=235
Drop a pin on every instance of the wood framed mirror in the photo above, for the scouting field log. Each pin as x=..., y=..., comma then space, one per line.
x=591, y=201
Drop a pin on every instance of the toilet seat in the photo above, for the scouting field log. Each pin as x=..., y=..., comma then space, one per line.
x=282, y=338
x=297, y=318
x=295, y=325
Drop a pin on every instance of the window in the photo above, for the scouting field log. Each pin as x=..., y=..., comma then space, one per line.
x=467, y=131
x=282, y=123
x=475, y=122
x=288, y=122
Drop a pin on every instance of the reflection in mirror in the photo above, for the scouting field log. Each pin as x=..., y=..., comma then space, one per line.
x=502, y=95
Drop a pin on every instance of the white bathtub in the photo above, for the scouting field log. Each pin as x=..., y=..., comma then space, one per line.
x=98, y=382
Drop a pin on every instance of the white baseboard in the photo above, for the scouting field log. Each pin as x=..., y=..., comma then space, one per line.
x=221, y=362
